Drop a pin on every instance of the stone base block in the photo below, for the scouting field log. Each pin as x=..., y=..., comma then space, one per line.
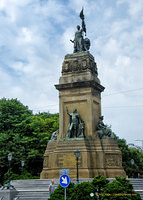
x=96, y=157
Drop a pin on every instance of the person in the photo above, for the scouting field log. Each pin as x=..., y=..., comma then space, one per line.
x=76, y=125
x=51, y=187
x=78, y=40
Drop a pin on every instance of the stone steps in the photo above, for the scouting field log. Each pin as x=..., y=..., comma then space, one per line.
x=37, y=189
x=138, y=186
x=31, y=195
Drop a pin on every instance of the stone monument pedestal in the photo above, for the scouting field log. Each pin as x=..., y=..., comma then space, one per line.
x=79, y=87
x=96, y=157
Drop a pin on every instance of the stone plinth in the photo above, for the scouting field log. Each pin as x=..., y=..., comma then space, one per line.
x=96, y=157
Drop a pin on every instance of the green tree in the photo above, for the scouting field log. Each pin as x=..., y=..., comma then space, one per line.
x=41, y=130
x=127, y=155
x=82, y=191
x=120, y=189
x=12, y=112
x=59, y=192
x=24, y=135
x=99, y=182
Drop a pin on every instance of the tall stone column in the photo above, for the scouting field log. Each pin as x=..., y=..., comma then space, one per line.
x=80, y=88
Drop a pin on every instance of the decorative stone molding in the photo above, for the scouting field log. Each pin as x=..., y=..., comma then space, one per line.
x=79, y=63
x=113, y=160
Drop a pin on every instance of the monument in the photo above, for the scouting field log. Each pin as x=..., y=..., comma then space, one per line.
x=81, y=124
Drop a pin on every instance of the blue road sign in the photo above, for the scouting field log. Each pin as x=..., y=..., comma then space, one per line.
x=64, y=171
x=64, y=180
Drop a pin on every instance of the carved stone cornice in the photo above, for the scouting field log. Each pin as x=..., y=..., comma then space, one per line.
x=79, y=62
x=91, y=83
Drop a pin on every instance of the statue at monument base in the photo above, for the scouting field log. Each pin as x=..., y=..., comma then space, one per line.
x=104, y=131
x=75, y=125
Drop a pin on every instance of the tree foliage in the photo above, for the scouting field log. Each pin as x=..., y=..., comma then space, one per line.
x=59, y=192
x=99, y=182
x=101, y=188
x=120, y=189
x=25, y=135
x=82, y=191
x=127, y=155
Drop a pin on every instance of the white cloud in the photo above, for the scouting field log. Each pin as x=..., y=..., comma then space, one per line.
x=12, y=8
x=65, y=39
x=34, y=39
x=135, y=7
x=27, y=35
x=108, y=13
x=118, y=26
x=123, y=61
x=77, y=5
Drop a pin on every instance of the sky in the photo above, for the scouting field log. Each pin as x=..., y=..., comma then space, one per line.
x=35, y=37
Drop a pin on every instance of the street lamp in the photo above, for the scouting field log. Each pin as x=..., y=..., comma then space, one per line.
x=22, y=165
x=9, y=161
x=132, y=163
x=77, y=154
x=8, y=185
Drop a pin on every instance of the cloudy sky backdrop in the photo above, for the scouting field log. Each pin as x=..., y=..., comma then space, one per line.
x=34, y=38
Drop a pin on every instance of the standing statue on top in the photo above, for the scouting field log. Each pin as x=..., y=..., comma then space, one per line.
x=81, y=43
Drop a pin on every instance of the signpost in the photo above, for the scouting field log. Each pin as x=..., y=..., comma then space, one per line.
x=64, y=182
x=64, y=171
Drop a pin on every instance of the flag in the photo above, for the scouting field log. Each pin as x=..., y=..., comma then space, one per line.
x=82, y=18
x=81, y=14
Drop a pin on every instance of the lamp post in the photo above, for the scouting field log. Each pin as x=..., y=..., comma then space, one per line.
x=132, y=163
x=77, y=154
x=8, y=185
x=9, y=161
x=22, y=165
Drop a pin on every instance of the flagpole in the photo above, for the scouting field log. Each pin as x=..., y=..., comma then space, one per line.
x=81, y=15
